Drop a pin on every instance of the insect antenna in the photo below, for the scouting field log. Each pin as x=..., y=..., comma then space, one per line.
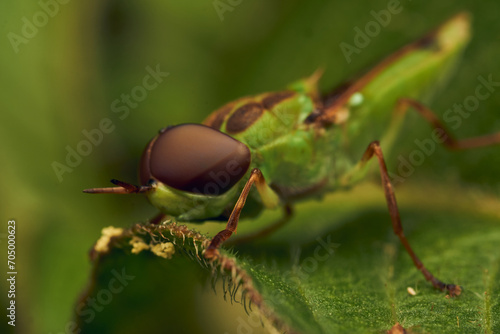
x=123, y=188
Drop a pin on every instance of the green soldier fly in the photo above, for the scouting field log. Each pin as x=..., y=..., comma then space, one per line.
x=295, y=143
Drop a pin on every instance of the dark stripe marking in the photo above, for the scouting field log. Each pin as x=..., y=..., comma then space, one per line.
x=215, y=119
x=244, y=117
x=274, y=98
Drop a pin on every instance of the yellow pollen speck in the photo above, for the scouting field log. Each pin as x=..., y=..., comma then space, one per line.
x=165, y=250
x=107, y=233
x=138, y=245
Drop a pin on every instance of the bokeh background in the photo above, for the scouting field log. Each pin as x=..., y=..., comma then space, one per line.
x=62, y=77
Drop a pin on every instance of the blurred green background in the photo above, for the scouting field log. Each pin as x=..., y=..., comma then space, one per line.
x=62, y=77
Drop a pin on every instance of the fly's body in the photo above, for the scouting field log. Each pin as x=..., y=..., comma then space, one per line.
x=274, y=126
x=296, y=143
x=305, y=145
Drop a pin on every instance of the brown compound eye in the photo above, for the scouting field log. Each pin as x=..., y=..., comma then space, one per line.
x=195, y=158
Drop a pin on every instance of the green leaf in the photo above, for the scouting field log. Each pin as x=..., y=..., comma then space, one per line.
x=337, y=267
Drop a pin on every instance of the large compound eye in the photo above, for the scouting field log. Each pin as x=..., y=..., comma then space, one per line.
x=195, y=158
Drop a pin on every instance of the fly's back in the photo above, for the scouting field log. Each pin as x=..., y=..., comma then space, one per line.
x=261, y=119
x=292, y=154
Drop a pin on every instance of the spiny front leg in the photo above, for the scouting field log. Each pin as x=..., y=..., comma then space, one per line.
x=269, y=198
x=375, y=150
